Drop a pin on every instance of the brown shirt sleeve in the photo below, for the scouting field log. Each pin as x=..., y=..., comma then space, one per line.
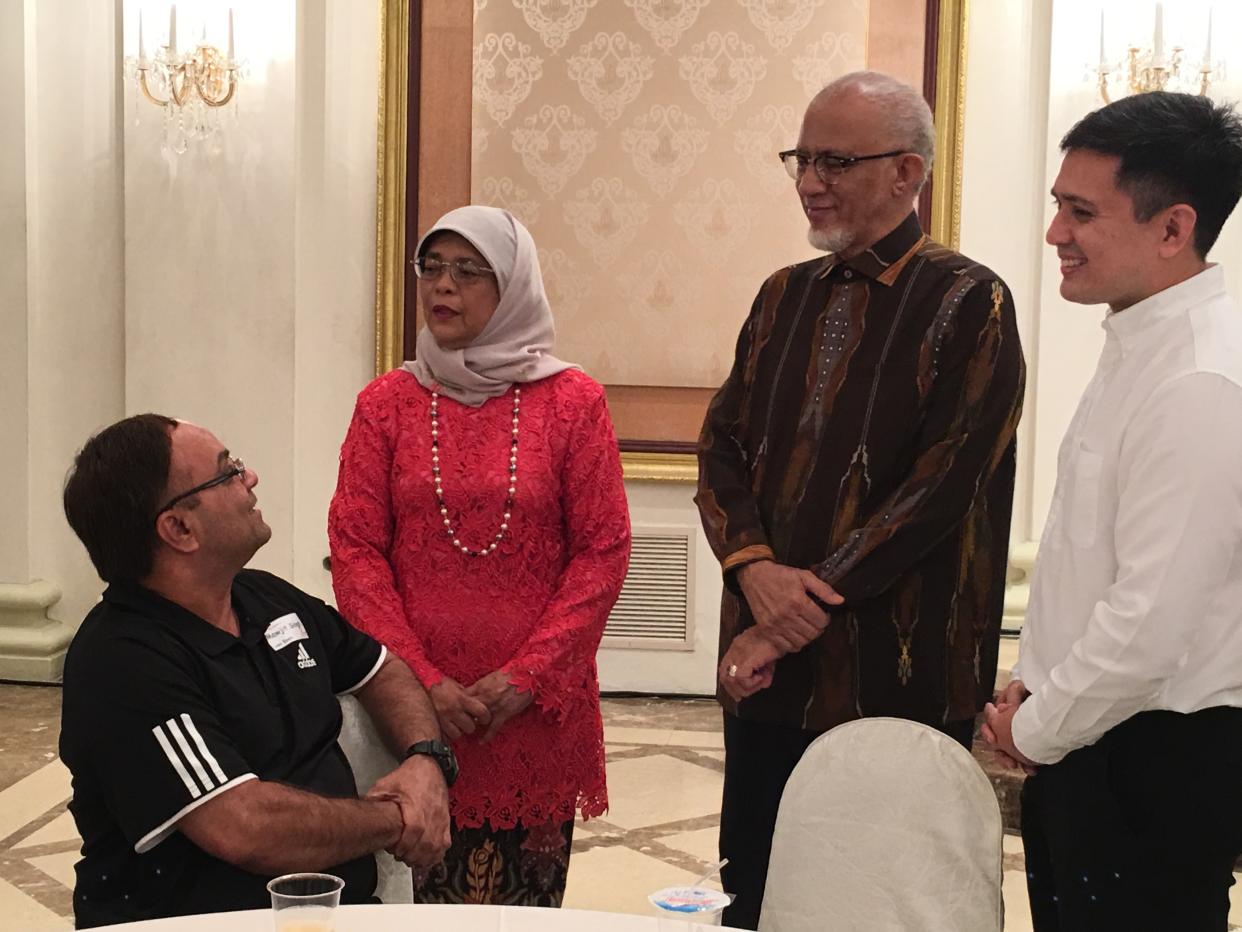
x=725, y=496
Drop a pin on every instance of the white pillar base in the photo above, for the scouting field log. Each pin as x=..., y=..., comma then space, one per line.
x=1018, y=590
x=32, y=646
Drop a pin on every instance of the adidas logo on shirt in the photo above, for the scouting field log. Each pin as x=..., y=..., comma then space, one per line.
x=305, y=660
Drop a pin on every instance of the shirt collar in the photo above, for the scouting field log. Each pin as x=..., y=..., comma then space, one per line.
x=883, y=261
x=188, y=626
x=1130, y=326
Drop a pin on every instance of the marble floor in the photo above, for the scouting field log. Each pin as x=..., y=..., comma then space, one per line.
x=665, y=765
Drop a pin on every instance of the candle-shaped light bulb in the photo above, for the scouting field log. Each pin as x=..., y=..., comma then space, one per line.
x=1207, y=51
x=172, y=29
x=231, y=56
x=1158, y=39
x=142, y=46
x=1103, y=57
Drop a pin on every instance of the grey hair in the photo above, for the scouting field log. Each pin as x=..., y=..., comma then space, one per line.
x=905, y=110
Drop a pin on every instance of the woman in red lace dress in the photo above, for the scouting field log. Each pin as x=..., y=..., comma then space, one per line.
x=480, y=530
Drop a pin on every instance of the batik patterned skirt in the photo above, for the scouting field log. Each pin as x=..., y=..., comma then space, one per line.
x=521, y=866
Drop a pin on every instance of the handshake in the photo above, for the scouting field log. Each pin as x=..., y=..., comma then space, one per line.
x=790, y=610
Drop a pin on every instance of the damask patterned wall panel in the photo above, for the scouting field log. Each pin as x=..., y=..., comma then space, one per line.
x=637, y=139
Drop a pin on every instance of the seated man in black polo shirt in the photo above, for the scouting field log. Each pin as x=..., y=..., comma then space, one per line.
x=200, y=717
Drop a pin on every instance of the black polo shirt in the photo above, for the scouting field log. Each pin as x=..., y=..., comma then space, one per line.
x=163, y=711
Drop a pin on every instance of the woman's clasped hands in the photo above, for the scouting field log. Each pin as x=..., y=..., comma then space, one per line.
x=486, y=704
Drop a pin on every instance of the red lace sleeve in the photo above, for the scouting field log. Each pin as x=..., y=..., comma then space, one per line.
x=360, y=530
x=554, y=663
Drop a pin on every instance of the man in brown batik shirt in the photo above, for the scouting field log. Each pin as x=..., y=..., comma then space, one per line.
x=856, y=470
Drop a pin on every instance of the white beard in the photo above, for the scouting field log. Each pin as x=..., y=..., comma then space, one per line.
x=836, y=240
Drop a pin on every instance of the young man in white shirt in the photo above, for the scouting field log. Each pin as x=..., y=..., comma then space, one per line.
x=1126, y=703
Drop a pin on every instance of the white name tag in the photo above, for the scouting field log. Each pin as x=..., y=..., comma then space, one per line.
x=284, y=631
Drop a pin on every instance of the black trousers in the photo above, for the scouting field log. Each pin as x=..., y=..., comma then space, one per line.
x=759, y=757
x=1140, y=830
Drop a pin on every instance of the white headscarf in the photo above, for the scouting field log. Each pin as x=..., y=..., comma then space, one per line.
x=514, y=345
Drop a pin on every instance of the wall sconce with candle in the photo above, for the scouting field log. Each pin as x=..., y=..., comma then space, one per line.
x=191, y=86
x=1156, y=68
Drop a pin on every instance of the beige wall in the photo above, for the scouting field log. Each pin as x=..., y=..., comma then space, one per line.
x=250, y=271
x=1025, y=88
x=895, y=38
x=209, y=271
x=235, y=289
x=1002, y=181
x=444, y=142
x=1070, y=336
x=639, y=148
x=63, y=298
x=14, y=474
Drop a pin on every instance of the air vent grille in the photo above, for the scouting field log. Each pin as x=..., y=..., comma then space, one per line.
x=654, y=607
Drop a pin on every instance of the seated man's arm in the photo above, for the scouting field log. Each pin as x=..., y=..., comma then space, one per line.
x=404, y=715
x=163, y=760
x=271, y=828
x=399, y=706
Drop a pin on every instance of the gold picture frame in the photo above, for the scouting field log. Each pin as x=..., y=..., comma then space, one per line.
x=390, y=182
x=393, y=134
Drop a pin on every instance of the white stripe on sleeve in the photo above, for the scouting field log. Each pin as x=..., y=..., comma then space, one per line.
x=191, y=758
x=202, y=747
x=173, y=759
x=366, y=679
x=166, y=828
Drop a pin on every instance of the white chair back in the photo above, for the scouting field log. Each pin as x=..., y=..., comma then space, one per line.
x=370, y=760
x=885, y=825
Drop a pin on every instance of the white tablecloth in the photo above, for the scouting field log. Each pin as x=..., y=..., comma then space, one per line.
x=431, y=919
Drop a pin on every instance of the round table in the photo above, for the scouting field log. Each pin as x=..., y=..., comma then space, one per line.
x=430, y=919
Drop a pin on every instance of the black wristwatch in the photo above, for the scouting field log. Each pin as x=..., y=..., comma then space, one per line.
x=441, y=753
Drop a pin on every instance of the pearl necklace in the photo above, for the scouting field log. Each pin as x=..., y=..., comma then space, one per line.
x=435, y=474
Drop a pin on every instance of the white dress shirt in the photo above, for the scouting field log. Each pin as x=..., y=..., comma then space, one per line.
x=1136, y=600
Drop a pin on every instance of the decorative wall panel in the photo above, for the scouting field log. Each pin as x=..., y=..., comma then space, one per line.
x=638, y=142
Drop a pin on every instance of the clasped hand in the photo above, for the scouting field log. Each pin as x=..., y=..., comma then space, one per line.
x=748, y=664
x=780, y=600
x=487, y=703
x=997, y=729
x=418, y=789
x=786, y=620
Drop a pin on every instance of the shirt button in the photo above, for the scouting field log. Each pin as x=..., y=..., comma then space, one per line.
x=849, y=274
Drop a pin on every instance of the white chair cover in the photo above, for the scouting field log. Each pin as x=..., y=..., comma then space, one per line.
x=370, y=760
x=885, y=825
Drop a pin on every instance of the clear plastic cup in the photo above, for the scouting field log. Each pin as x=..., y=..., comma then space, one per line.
x=305, y=902
x=691, y=904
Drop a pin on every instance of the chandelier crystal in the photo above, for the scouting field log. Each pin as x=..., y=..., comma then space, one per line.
x=193, y=87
